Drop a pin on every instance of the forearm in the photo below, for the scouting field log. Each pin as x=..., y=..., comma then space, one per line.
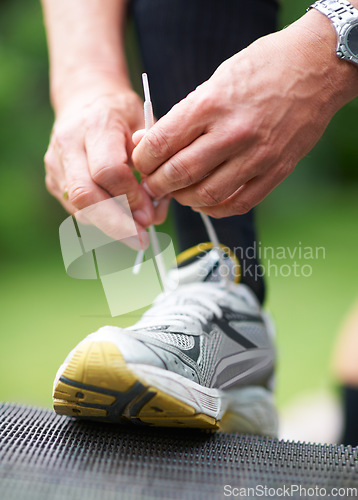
x=85, y=40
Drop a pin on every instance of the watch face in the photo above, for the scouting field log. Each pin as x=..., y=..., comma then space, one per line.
x=352, y=40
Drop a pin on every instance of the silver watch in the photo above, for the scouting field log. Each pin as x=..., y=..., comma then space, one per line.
x=345, y=21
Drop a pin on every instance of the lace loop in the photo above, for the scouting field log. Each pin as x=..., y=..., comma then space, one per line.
x=174, y=310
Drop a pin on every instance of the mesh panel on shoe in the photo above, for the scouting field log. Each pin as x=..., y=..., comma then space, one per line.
x=184, y=342
x=256, y=333
x=209, y=346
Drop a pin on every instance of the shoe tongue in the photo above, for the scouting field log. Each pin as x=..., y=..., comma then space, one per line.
x=204, y=263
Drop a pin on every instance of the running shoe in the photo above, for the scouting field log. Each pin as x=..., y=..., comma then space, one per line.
x=202, y=356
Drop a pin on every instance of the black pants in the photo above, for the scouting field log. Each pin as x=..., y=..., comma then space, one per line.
x=350, y=408
x=182, y=43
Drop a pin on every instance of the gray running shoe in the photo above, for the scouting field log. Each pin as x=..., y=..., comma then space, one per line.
x=201, y=356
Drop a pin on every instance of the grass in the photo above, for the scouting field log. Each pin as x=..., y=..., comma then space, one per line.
x=308, y=311
x=45, y=313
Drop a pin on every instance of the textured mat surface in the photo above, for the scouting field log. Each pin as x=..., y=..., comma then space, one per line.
x=44, y=457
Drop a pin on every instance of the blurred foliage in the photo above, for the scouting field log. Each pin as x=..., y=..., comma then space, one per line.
x=334, y=157
x=46, y=313
x=25, y=124
x=27, y=213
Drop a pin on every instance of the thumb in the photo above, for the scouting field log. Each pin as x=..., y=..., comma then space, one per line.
x=138, y=136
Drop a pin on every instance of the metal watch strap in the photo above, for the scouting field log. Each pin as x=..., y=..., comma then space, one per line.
x=339, y=11
x=344, y=18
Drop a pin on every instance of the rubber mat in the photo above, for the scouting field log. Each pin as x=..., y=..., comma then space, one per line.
x=48, y=457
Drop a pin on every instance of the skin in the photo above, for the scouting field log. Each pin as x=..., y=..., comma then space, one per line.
x=344, y=364
x=226, y=146
x=96, y=113
x=221, y=150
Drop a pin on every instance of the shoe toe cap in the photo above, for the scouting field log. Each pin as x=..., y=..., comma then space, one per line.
x=132, y=349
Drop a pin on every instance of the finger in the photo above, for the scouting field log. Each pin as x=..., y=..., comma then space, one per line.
x=176, y=130
x=57, y=192
x=54, y=169
x=112, y=217
x=56, y=183
x=190, y=165
x=138, y=136
x=246, y=197
x=107, y=161
x=222, y=182
x=55, y=179
x=161, y=211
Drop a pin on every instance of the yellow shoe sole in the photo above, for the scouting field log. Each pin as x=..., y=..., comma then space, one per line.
x=97, y=384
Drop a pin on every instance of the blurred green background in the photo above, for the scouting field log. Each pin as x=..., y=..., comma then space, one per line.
x=44, y=313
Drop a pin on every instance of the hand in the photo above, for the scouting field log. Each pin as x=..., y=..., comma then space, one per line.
x=237, y=136
x=89, y=156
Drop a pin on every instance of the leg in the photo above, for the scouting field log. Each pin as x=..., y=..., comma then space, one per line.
x=346, y=370
x=202, y=355
x=182, y=43
x=350, y=406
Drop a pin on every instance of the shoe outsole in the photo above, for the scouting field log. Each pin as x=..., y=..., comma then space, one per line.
x=97, y=384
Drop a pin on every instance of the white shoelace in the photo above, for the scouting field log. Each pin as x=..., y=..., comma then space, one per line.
x=158, y=255
x=172, y=308
x=149, y=121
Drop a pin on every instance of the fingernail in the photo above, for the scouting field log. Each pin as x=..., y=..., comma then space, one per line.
x=140, y=242
x=162, y=202
x=134, y=242
x=138, y=136
x=144, y=239
x=148, y=190
x=143, y=217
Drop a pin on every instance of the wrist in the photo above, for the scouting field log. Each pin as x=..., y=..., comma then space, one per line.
x=92, y=91
x=86, y=84
x=319, y=41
